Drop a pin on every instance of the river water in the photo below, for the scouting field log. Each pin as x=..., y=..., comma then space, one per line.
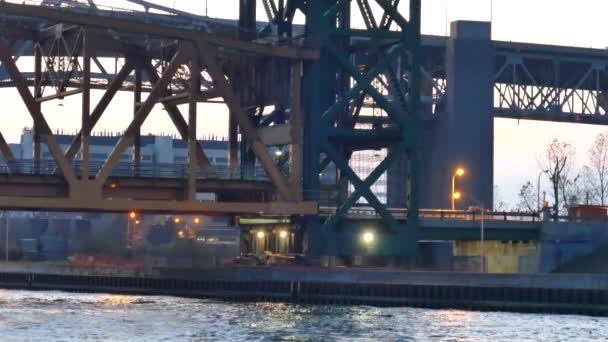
x=58, y=316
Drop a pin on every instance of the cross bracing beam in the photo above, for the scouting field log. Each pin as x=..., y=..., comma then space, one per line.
x=65, y=55
x=34, y=110
x=157, y=91
x=339, y=107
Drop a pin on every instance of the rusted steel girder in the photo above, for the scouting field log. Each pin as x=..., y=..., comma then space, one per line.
x=69, y=16
x=8, y=155
x=107, y=97
x=177, y=117
x=140, y=116
x=243, y=120
x=158, y=206
x=34, y=110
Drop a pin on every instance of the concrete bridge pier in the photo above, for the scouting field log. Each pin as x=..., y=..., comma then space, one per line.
x=463, y=134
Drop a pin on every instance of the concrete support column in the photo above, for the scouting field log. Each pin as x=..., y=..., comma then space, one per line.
x=464, y=135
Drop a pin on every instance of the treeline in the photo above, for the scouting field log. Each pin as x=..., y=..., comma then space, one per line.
x=570, y=183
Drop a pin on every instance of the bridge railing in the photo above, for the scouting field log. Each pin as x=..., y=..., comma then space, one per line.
x=132, y=170
x=366, y=212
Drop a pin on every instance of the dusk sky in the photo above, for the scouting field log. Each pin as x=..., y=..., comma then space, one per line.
x=517, y=144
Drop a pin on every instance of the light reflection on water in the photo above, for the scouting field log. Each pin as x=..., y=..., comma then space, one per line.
x=58, y=316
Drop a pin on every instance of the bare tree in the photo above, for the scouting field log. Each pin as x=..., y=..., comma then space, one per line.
x=527, y=197
x=499, y=204
x=598, y=169
x=571, y=188
x=559, y=163
x=589, y=192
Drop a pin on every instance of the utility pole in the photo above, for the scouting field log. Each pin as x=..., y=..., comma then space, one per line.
x=6, y=237
x=483, y=259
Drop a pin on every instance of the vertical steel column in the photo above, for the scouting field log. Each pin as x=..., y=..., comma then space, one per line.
x=233, y=144
x=247, y=31
x=318, y=76
x=137, y=136
x=37, y=94
x=195, y=84
x=409, y=238
x=247, y=16
x=296, y=121
x=86, y=103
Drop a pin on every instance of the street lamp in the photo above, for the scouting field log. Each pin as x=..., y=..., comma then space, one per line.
x=459, y=172
x=538, y=206
x=368, y=237
x=132, y=216
x=6, y=242
x=483, y=259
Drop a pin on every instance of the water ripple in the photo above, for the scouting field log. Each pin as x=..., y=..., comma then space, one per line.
x=57, y=316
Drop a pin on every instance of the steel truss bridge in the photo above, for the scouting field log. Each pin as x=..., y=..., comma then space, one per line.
x=319, y=93
x=531, y=81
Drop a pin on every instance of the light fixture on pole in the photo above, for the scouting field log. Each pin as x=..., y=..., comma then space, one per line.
x=538, y=205
x=455, y=195
x=6, y=237
x=132, y=216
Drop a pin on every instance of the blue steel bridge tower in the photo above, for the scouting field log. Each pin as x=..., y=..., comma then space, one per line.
x=338, y=92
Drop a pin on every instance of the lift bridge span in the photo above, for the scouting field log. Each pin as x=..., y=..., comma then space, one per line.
x=319, y=93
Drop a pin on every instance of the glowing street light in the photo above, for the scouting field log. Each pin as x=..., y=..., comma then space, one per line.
x=177, y=220
x=459, y=172
x=260, y=234
x=283, y=234
x=278, y=153
x=368, y=237
x=197, y=220
x=130, y=230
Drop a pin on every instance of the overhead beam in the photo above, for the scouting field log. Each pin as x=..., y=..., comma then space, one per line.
x=60, y=95
x=156, y=206
x=139, y=26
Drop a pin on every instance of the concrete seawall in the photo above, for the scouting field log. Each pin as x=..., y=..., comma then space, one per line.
x=563, y=293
